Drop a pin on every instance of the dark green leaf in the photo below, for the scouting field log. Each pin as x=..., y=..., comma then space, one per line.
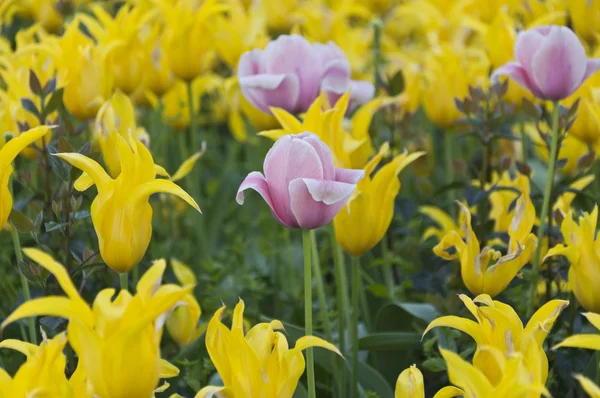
x=30, y=107
x=390, y=341
x=59, y=167
x=64, y=146
x=34, y=83
x=397, y=84
x=434, y=364
x=55, y=101
x=82, y=215
x=423, y=311
x=53, y=226
x=50, y=86
x=86, y=149
x=21, y=222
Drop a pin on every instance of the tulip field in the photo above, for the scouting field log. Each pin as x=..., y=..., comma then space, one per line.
x=299, y=198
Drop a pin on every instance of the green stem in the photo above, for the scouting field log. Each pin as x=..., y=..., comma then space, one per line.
x=523, y=139
x=354, y=325
x=310, y=365
x=342, y=304
x=377, y=54
x=135, y=275
x=24, y=283
x=545, y=205
x=124, y=282
x=448, y=155
x=388, y=272
x=316, y=268
x=364, y=305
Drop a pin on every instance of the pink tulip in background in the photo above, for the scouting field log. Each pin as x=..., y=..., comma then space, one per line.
x=301, y=185
x=551, y=62
x=290, y=73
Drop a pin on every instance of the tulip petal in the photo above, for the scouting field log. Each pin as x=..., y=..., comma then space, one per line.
x=90, y=166
x=462, y=374
x=527, y=44
x=12, y=148
x=288, y=122
x=336, y=77
x=323, y=152
x=83, y=182
x=23, y=347
x=349, y=176
x=314, y=203
x=591, y=67
x=168, y=370
x=449, y=392
x=211, y=391
x=186, y=167
x=183, y=273
x=48, y=306
x=257, y=182
x=594, y=319
x=519, y=74
x=267, y=90
x=361, y=92
x=467, y=326
x=410, y=384
x=559, y=66
x=588, y=386
x=149, y=283
x=56, y=269
x=588, y=341
x=311, y=341
x=144, y=191
x=542, y=321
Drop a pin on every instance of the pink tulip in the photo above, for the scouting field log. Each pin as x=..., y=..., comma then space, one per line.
x=290, y=73
x=551, y=62
x=301, y=185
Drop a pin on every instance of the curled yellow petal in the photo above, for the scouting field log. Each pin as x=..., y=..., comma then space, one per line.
x=210, y=392
x=449, y=392
x=168, y=370
x=83, y=182
x=23, y=347
x=90, y=166
x=588, y=341
x=467, y=326
x=311, y=341
x=593, y=318
x=143, y=192
x=183, y=273
x=588, y=386
x=186, y=167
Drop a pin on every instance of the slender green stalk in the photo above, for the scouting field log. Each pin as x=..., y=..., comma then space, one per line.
x=535, y=272
x=123, y=281
x=310, y=365
x=448, y=155
x=24, y=283
x=342, y=305
x=354, y=325
x=523, y=138
x=388, y=272
x=135, y=275
x=193, y=132
x=364, y=305
x=316, y=268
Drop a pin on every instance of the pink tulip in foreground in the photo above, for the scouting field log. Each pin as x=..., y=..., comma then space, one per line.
x=551, y=62
x=301, y=185
x=290, y=73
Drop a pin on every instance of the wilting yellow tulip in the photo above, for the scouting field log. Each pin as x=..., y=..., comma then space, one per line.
x=121, y=214
x=580, y=248
x=365, y=219
x=43, y=373
x=116, y=117
x=499, y=327
x=259, y=364
x=516, y=378
x=182, y=324
x=477, y=273
x=410, y=385
x=118, y=341
x=8, y=153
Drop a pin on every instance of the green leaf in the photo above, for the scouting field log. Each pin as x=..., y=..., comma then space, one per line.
x=53, y=226
x=34, y=83
x=55, y=101
x=30, y=107
x=434, y=364
x=21, y=222
x=390, y=341
x=60, y=168
x=423, y=311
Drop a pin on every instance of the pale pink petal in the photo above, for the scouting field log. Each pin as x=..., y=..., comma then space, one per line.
x=592, y=66
x=316, y=202
x=361, y=92
x=249, y=63
x=527, y=44
x=290, y=158
x=324, y=153
x=350, y=176
x=293, y=54
x=264, y=91
x=257, y=182
x=336, y=77
x=518, y=73
x=559, y=65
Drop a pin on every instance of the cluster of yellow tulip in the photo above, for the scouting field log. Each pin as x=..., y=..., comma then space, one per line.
x=350, y=93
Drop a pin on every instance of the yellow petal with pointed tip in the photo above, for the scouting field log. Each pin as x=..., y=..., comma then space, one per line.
x=186, y=167
x=143, y=192
x=449, y=392
x=183, y=273
x=23, y=347
x=168, y=370
x=588, y=341
x=588, y=386
x=467, y=326
x=210, y=392
x=311, y=341
x=90, y=166
x=410, y=384
x=83, y=182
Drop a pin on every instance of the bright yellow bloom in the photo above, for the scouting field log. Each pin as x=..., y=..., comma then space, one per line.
x=182, y=324
x=516, y=376
x=8, y=153
x=116, y=117
x=158, y=77
x=186, y=34
x=506, y=190
x=43, y=374
x=365, y=219
x=259, y=364
x=582, y=249
x=445, y=223
x=449, y=74
x=116, y=341
x=410, y=385
x=477, y=273
x=121, y=214
x=45, y=12
x=587, y=124
x=499, y=327
x=584, y=15
x=279, y=13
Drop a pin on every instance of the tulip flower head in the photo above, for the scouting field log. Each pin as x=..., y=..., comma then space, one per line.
x=580, y=248
x=551, y=62
x=410, y=385
x=8, y=153
x=258, y=363
x=290, y=73
x=499, y=327
x=301, y=184
x=121, y=214
x=477, y=273
x=119, y=340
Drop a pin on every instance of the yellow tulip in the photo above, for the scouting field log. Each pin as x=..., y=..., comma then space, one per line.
x=507, y=189
x=121, y=214
x=182, y=324
x=363, y=222
x=44, y=12
x=514, y=376
x=410, y=385
x=116, y=117
x=8, y=153
x=256, y=364
x=499, y=327
x=158, y=77
x=89, y=81
x=189, y=57
x=580, y=248
x=449, y=74
x=477, y=273
x=43, y=373
x=117, y=341
x=583, y=15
